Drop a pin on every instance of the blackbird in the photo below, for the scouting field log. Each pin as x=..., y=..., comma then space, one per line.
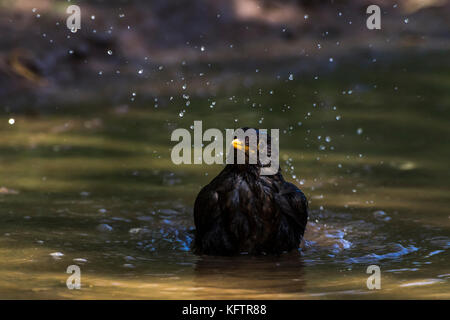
x=243, y=212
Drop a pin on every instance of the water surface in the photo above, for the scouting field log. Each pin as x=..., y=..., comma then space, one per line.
x=93, y=185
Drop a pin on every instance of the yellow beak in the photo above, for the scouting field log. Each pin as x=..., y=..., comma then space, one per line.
x=239, y=145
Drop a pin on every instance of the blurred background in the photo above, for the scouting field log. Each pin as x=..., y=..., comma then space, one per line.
x=85, y=123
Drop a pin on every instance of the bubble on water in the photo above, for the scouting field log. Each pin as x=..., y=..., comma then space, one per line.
x=184, y=86
x=121, y=15
x=291, y=77
x=327, y=139
x=110, y=52
x=406, y=20
x=181, y=114
x=359, y=131
x=34, y=9
x=305, y=16
x=331, y=59
x=338, y=118
x=141, y=71
x=56, y=255
x=70, y=51
x=202, y=48
x=104, y=227
x=100, y=73
x=11, y=121
x=92, y=17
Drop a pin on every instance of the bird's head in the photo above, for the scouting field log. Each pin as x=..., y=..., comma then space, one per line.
x=252, y=148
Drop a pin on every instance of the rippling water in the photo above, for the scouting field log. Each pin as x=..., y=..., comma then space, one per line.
x=98, y=190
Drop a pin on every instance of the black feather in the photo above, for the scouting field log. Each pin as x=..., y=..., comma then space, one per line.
x=240, y=211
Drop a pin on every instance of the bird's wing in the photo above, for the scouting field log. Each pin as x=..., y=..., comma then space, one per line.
x=293, y=203
x=206, y=209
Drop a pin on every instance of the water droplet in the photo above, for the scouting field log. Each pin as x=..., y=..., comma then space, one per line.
x=110, y=52
x=57, y=255
x=92, y=17
x=11, y=121
x=291, y=77
x=359, y=131
x=141, y=71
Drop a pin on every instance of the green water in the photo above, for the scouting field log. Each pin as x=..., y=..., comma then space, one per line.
x=375, y=170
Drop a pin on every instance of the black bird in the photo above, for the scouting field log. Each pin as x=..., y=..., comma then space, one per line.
x=243, y=212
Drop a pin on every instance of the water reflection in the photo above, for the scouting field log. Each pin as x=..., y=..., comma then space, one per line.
x=264, y=274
